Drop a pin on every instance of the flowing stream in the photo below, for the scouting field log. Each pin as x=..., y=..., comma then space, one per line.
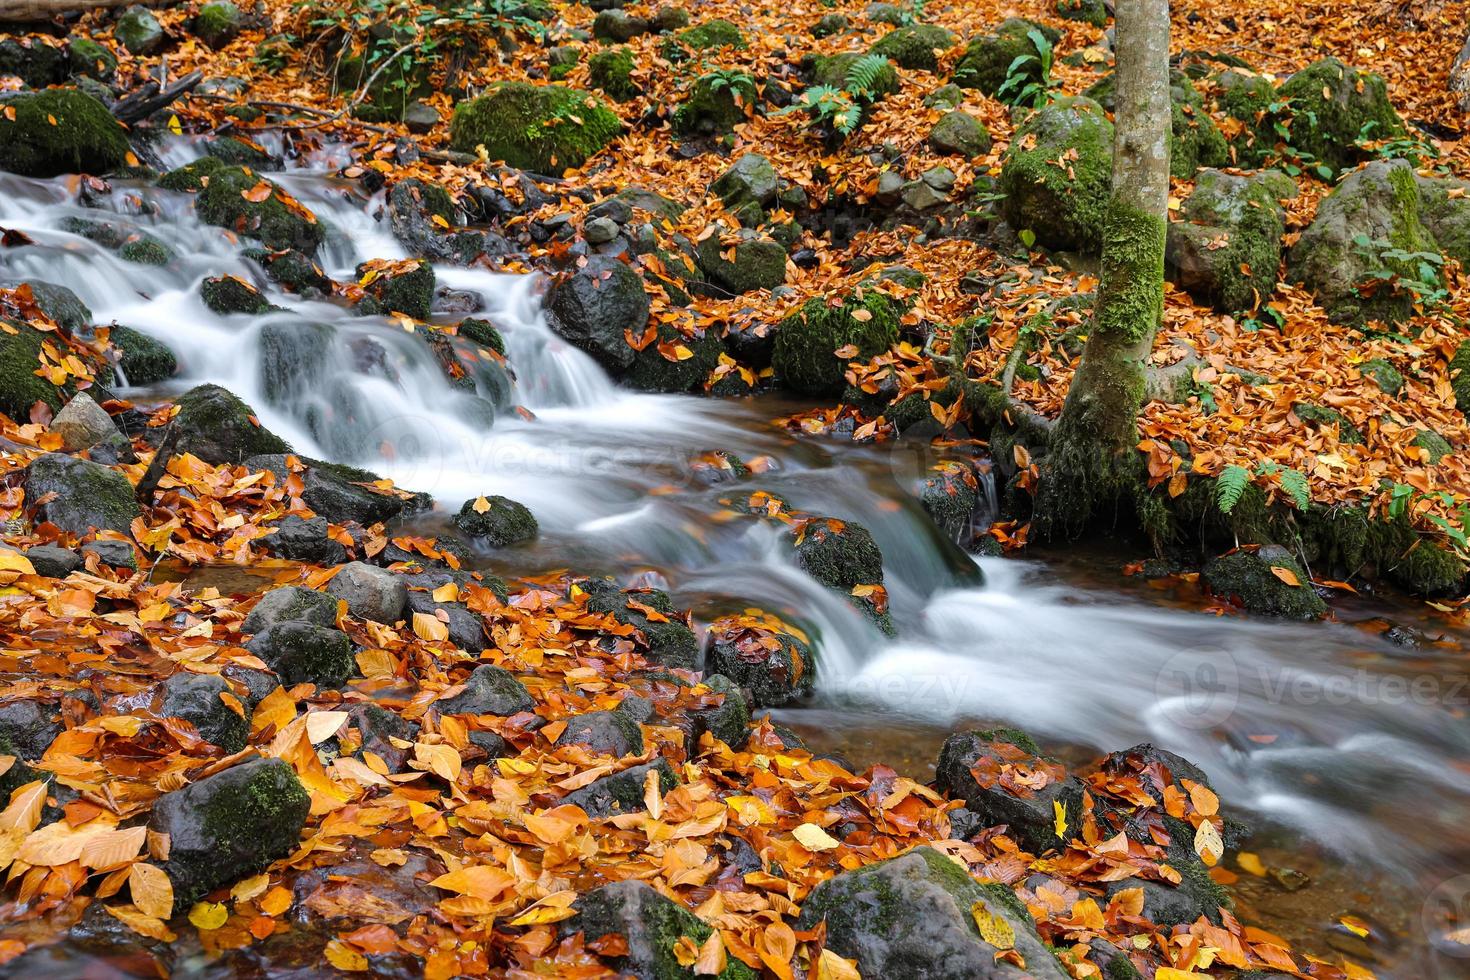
x=1337, y=742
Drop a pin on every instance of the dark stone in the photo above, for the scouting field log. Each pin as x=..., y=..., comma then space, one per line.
x=621, y=792
x=335, y=492
x=370, y=592
x=489, y=690
x=219, y=428
x=117, y=554
x=776, y=666
x=606, y=732
x=671, y=643
x=301, y=653
x=305, y=540
x=728, y=721
x=28, y=728
x=1029, y=813
x=196, y=699
x=53, y=562
x=88, y=496
x=291, y=604
x=595, y=305
x=1247, y=576
x=504, y=523
x=651, y=924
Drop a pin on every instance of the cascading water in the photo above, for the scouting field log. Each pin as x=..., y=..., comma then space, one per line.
x=606, y=472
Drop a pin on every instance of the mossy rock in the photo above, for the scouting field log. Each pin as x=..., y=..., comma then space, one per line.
x=914, y=46
x=671, y=643
x=757, y=262
x=500, y=521
x=190, y=177
x=1436, y=446
x=218, y=23
x=1389, y=379
x=291, y=270
x=482, y=332
x=546, y=129
x=651, y=926
x=841, y=555
x=242, y=152
x=987, y=60
x=410, y=292
x=33, y=59
x=144, y=361
x=1444, y=207
x=1063, y=212
x=274, y=53
x=229, y=825
x=195, y=698
x=20, y=387
x=1323, y=416
x=1094, y=12
x=1261, y=581
x=622, y=792
x=229, y=295
x=617, y=26
x=1413, y=562
x=776, y=666
x=139, y=31
x=805, y=355
x=1459, y=375
x=220, y=428
x=1228, y=250
x=304, y=653
x=829, y=25
x=652, y=371
x=87, y=496
x=86, y=57
x=834, y=71
x=391, y=92
x=710, y=36
x=716, y=104
x=223, y=203
x=84, y=137
x=612, y=72
x=1332, y=106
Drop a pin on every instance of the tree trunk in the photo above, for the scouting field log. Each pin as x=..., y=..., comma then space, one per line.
x=1460, y=77
x=1093, y=461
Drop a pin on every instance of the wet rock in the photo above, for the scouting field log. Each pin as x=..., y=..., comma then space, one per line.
x=1261, y=580
x=337, y=492
x=36, y=62
x=913, y=917
x=301, y=653
x=117, y=554
x=1228, y=250
x=229, y=825
x=397, y=289
x=804, y=353
x=595, y=305
x=987, y=60
x=305, y=540
x=60, y=304
x=190, y=177
x=370, y=592
x=600, y=231
x=489, y=690
x=86, y=496
x=229, y=295
x=291, y=604
x=980, y=767
x=605, y=732
x=139, y=31
x=510, y=123
x=219, y=428
x=413, y=206
x=53, y=562
x=227, y=201
x=650, y=924
x=376, y=728
x=772, y=662
x=728, y=721
x=196, y=699
x=257, y=684
x=1063, y=208
x=671, y=643
x=959, y=132
x=27, y=729
x=88, y=58
x=144, y=361
x=950, y=497
x=499, y=521
x=842, y=555
x=748, y=188
x=59, y=131
x=466, y=628
x=242, y=151
x=653, y=371
x=621, y=792
x=82, y=424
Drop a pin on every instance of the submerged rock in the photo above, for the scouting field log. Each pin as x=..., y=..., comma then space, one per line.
x=914, y=917
x=650, y=924
x=229, y=825
x=276, y=220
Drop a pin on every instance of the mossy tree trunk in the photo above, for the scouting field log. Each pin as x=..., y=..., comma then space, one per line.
x=1092, y=461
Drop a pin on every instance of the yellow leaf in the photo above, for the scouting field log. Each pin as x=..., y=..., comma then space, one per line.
x=141, y=922
x=1286, y=575
x=208, y=916
x=478, y=881
x=344, y=957
x=322, y=725
x=113, y=848
x=247, y=888
x=1208, y=845
x=14, y=561
x=1354, y=925
x=448, y=592
x=711, y=961
x=174, y=126
x=442, y=760
x=1060, y=819
x=481, y=505
x=1252, y=862
x=833, y=967
x=125, y=725
x=427, y=627
x=814, y=838
x=152, y=891
x=994, y=929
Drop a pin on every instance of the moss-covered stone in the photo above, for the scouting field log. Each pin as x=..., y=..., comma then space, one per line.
x=229, y=825
x=717, y=102
x=987, y=60
x=33, y=59
x=59, y=131
x=489, y=690
x=144, y=361
x=1062, y=211
x=196, y=699
x=272, y=221
x=482, y=332
x=303, y=653
x=1435, y=446
x=500, y=521
x=86, y=57
x=1030, y=818
x=757, y=262
x=390, y=92
x=914, y=46
x=776, y=665
x=842, y=555
x=712, y=35
x=1252, y=579
x=219, y=428
x=191, y=176
x=612, y=72
x=1459, y=375
x=836, y=72
x=1332, y=106
x=20, y=387
x=1389, y=379
x=227, y=295
x=1228, y=250
x=829, y=25
x=622, y=792
x=651, y=927
x=274, y=52
x=671, y=643
x=542, y=128
x=83, y=496
x=959, y=132
x=1094, y=12
x=652, y=371
x=218, y=23
x=1322, y=416
x=410, y=292
x=805, y=355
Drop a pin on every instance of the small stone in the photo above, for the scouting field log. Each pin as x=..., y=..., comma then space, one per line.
x=304, y=539
x=599, y=231
x=82, y=424
x=959, y=132
x=497, y=520
x=489, y=690
x=607, y=732
x=420, y=117
x=621, y=792
x=116, y=554
x=53, y=562
x=890, y=185
x=27, y=729
x=940, y=178
x=370, y=592
x=291, y=604
x=921, y=197
x=196, y=699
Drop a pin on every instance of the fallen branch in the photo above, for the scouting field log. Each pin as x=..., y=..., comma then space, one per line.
x=147, y=98
x=159, y=465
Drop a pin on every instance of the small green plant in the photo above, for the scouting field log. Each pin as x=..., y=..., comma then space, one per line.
x=1028, y=79
x=1408, y=146
x=837, y=113
x=864, y=77
x=1295, y=161
x=1418, y=274
x=1232, y=482
x=738, y=83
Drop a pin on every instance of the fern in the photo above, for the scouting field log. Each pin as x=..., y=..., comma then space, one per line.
x=1294, y=482
x=863, y=74
x=1230, y=484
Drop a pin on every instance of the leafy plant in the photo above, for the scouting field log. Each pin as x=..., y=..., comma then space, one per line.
x=1229, y=486
x=1408, y=146
x=830, y=109
x=863, y=76
x=1420, y=274
x=1232, y=482
x=1028, y=79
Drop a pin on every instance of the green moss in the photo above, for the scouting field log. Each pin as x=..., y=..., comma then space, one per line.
x=1332, y=106
x=86, y=57
x=805, y=355
x=191, y=176
x=393, y=89
x=654, y=926
x=1014, y=736
x=146, y=250
x=651, y=371
x=1387, y=377
x=1246, y=214
x=1459, y=375
x=612, y=72
x=834, y=70
x=716, y=103
x=758, y=263
x=274, y=53
x=144, y=360
x=20, y=387
x=914, y=46
x=82, y=138
x=1130, y=299
x=987, y=60
x=1248, y=577
x=712, y=34
x=503, y=523
x=218, y=427
x=1063, y=212
x=410, y=293
x=1413, y=562
x=228, y=295
x=1321, y=415
x=222, y=202
x=217, y=23
x=482, y=332
x=542, y=128
x=1093, y=12
x=1434, y=444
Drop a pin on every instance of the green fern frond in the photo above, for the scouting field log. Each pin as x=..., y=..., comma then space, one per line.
x=863, y=74
x=1229, y=486
x=1294, y=482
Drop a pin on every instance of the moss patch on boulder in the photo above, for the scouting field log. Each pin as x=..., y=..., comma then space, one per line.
x=83, y=136
x=276, y=220
x=1063, y=212
x=987, y=60
x=915, y=46
x=547, y=129
x=1332, y=106
x=805, y=355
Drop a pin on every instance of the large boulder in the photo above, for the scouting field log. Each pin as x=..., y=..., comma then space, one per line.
x=83, y=496
x=59, y=131
x=597, y=306
x=650, y=925
x=143, y=360
x=1066, y=207
x=20, y=387
x=34, y=60
x=1268, y=581
x=337, y=492
x=921, y=916
x=987, y=60
x=1004, y=779
x=229, y=825
x=1227, y=251
x=547, y=129
x=242, y=201
x=1360, y=237
x=370, y=592
x=218, y=23
x=1332, y=107
x=806, y=352
x=219, y=428
x=1444, y=207
x=741, y=260
x=424, y=218
x=914, y=46
x=83, y=423
x=397, y=287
